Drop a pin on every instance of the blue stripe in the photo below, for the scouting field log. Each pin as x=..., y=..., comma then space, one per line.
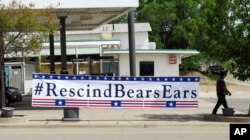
x=116, y=78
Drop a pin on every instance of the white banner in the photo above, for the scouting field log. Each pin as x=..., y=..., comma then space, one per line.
x=120, y=92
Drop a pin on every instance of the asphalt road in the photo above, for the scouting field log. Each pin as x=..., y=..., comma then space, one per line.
x=177, y=133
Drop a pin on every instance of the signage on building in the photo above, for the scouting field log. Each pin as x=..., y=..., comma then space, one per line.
x=114, y=92
x=172, y=59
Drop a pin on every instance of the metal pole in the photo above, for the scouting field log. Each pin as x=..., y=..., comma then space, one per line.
x=131, y=36
x=52, y=53
x=63, y=45
x=70, y=114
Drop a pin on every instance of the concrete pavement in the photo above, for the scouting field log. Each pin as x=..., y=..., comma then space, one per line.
x=97, y=117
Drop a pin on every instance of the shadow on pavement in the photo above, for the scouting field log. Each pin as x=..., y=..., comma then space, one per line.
x=173, y=117
x=25, y=104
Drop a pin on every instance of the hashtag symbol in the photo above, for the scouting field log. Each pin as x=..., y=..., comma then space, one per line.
x=38, y=88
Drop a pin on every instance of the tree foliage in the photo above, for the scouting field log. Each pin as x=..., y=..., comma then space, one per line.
x=218, y=29
x=22, y=30
x=173, y=22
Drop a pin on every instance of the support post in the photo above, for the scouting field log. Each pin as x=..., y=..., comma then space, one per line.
x=131, y=36
x=69, y=114
x=63, y=45
x=52, y=53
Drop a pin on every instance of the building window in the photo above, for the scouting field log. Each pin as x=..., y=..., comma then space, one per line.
x=146, y=68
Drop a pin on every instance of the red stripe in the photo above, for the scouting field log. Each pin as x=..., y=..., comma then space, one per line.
x=99, y=106
x=100, y=100
x=75, y=100
x=42, y=105
x=76, y=105
x=129, y=107
x=185, y=101
x=155, y=100
x=186, y=106
x=132, y=100
x=154, y=106
x=42, y=99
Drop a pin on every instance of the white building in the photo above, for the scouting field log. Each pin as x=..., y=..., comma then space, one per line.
x=107, y=41
x=112, y=40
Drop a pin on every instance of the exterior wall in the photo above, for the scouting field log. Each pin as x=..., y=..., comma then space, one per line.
x=141, y=40
x=92, y=36
x=161, y=64
x=30, y=68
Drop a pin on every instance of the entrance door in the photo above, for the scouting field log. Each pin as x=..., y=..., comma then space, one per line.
x=16, y=80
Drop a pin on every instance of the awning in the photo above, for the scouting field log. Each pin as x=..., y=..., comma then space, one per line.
x=85, y=14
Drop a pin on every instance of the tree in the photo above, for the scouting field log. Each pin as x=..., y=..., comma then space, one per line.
x=225, y=34
x=22, y=30
x=220, y=30
x=173, y=22
x=240, y=39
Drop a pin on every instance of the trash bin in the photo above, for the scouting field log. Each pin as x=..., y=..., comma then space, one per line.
x=228, y=111
x=7, y=111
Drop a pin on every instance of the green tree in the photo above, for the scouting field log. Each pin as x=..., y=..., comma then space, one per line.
x=173, y=22
x=240, y=39
x=218, y=29
x=224, y=34
x=22, y=30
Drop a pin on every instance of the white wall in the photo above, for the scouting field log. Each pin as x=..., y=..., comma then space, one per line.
x=141, y=40
x=70, y=37
x=161, y=64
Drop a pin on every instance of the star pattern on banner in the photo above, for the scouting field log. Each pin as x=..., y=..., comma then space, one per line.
x=115, y=78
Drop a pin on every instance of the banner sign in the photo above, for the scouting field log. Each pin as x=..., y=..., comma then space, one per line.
x=51, y=90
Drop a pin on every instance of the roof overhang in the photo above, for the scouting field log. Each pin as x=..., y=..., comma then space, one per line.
x=85, y=14
x=182, y=53
x=84, y=43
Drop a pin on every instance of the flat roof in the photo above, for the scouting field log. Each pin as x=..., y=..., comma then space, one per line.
x=84, y=14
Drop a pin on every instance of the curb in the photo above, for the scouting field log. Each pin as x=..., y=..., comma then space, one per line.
x=221, y=118
x=110, y=124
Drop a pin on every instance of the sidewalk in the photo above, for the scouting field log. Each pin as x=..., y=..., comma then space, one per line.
x=98, y=117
